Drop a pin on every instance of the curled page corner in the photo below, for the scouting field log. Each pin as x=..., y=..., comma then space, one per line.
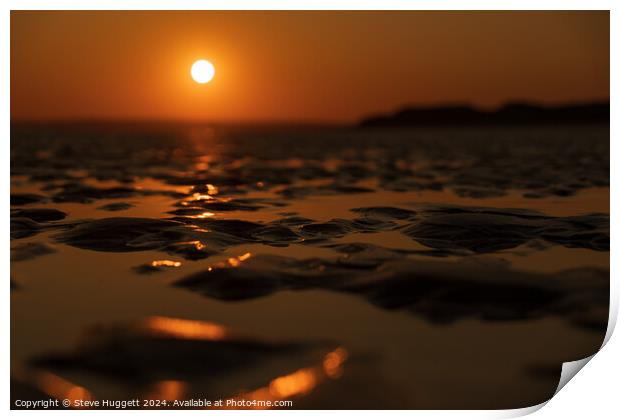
x=521, y=412
x=613, y=314
x=570, y=369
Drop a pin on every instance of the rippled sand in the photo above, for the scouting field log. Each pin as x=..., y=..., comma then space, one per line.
x=335, y=267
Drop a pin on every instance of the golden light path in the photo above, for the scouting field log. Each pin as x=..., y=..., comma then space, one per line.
x=202, y=71
x=288, y=386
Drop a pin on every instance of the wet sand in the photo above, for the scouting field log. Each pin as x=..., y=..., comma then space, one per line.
x=338, y=268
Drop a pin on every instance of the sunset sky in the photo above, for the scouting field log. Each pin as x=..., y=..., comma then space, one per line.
x=298, y=66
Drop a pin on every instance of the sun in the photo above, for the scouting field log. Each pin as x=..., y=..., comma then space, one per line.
x=202, y=71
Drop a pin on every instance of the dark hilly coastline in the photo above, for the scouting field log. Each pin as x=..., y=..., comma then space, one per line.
x=510, y=114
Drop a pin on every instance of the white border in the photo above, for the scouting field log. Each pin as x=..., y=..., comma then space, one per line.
x=593, y=394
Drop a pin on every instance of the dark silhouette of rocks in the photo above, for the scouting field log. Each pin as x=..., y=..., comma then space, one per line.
x=510, y=114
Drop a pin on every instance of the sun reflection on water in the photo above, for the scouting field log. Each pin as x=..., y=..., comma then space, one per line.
x=167, y=390
x=299, y=382
x=204, y=215
x=200, y=196
x=292, y=385
x=236, y=261
x=212, y=189
x=165, y=263
x=333, y=361
x=199, y=246
x=60, y=388
x=230, y=262
x=185, y=329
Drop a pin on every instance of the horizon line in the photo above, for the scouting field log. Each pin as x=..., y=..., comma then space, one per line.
x=296, y=122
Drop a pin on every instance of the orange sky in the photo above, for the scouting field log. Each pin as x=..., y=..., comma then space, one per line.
x=299, y=66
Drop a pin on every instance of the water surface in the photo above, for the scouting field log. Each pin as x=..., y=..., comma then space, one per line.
x=337, y=268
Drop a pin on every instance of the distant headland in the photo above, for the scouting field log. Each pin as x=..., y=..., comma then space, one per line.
x=509, y=114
